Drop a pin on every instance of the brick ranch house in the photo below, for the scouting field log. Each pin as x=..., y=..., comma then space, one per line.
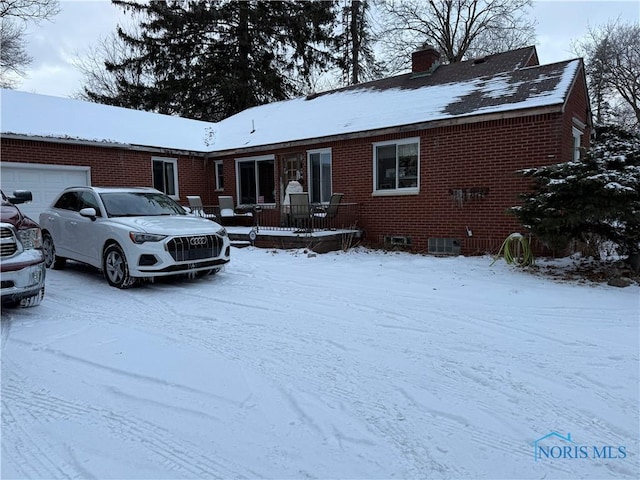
x=429, y=157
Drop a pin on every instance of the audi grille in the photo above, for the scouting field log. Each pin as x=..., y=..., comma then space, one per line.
x=198, y=247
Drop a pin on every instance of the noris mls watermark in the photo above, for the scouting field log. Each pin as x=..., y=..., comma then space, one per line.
x=554, y=446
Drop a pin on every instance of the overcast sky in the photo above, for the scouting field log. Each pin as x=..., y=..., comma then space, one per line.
x=55, y=44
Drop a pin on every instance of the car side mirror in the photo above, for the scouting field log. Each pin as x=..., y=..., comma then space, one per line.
x=89, y=213
x=20, y=196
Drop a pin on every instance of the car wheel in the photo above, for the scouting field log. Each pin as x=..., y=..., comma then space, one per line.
x=10, y=303
x=33, y=300
x=115, y=267
x=49, y=250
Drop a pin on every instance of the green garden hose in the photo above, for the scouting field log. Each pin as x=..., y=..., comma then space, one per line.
x=516, y=250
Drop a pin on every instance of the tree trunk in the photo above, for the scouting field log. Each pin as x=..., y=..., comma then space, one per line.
x=355, y=37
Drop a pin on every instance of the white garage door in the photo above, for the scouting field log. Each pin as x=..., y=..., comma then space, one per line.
x=44, y=181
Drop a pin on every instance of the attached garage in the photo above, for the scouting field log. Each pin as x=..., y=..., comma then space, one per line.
x=49, y=143
x=44, y=181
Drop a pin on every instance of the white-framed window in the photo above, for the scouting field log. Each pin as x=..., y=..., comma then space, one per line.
x=219, y=174
x=255, y=180
x=577, y=143
x=319, y=175
x=396, y=165
x=165, y=175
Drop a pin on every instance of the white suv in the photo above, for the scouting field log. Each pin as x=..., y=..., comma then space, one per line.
x=130, y=233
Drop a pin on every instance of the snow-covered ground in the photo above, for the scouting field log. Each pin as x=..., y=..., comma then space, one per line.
x=359, y=365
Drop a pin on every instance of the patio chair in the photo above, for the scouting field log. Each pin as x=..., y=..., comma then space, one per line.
x=325, y=213
x=197, y=209
x=300, y=210
x=228, y=213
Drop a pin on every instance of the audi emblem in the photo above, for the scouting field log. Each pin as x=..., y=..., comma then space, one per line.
x=196, y=241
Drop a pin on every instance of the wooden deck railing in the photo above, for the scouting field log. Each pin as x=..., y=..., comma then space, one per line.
x=276, y=218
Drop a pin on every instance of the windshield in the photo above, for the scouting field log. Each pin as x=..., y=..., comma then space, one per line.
x=139, y=204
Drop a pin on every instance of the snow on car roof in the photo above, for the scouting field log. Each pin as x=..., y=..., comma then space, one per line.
x=99, y=189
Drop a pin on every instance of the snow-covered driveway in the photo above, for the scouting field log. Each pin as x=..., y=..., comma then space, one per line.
x=361, y=365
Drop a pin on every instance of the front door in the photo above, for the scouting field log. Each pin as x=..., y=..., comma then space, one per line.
x=291, y=168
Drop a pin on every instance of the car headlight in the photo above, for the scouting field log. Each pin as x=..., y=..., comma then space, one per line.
x=222, y=232
x=137, y=237
x=30, y=238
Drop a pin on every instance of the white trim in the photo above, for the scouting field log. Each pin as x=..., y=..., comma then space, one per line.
x=319, y=150
x=256, y=158
x=577, y=142
x=579, y=123
x=395, y=191
x=174, y=161
x=259, y=158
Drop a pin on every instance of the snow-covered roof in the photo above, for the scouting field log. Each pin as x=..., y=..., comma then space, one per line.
x=497, y=84
x=370, y=108
x=35, y=115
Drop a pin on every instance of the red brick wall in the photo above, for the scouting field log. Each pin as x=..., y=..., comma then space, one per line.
x=473, y=156
x=483, y=155
x=111, y=166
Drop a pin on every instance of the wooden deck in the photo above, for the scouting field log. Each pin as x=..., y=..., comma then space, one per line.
x=319, y=241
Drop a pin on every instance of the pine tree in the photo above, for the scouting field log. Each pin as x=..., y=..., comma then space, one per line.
x=356, y=58
x=210, y=59
x=591, y=200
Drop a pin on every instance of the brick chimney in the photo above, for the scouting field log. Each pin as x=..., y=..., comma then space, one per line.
x=425, y=60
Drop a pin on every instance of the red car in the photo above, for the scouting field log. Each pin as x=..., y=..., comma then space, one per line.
x=22, y=269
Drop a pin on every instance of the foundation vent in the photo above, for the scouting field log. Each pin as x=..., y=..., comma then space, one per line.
x=396, y=241
x=444, y=246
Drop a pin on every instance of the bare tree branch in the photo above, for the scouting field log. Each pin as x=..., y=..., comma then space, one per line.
x=13, y=58
x=459, y=29
x=29, y=10
x=612, y=59
x=98, y=80
x=14, y=15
